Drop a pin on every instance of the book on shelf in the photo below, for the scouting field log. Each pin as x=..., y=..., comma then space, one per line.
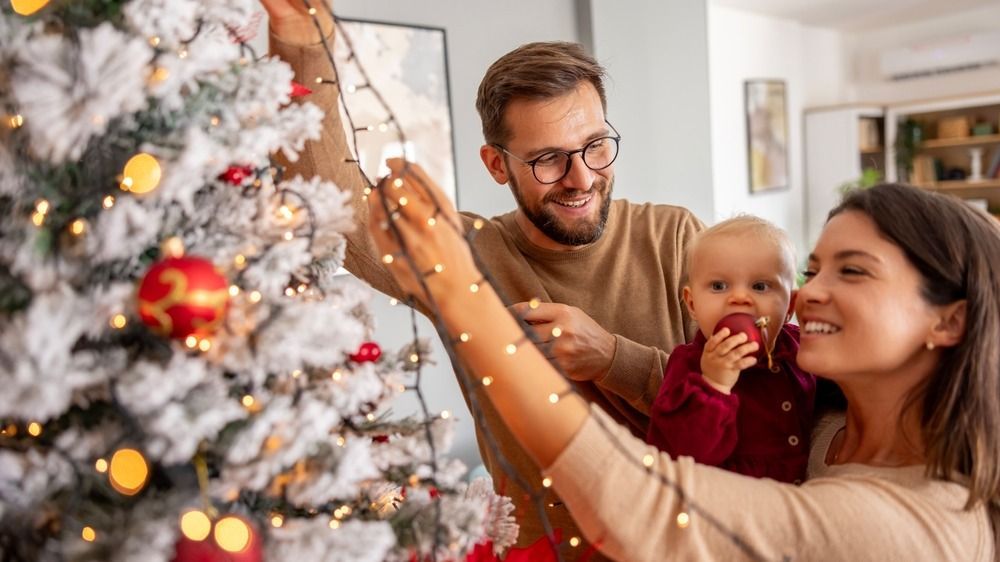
x=993, y=170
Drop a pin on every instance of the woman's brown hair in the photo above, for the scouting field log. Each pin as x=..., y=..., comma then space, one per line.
x=956, y=249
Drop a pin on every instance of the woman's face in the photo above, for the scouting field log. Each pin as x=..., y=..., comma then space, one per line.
x=861, y=310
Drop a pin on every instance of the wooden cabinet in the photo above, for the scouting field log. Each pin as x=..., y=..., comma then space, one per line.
x=954, y=146
x=840, y=144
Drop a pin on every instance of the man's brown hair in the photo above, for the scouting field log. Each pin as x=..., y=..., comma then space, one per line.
x=535, y=71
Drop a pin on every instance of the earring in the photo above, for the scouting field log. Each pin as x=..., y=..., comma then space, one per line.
x=930, y=346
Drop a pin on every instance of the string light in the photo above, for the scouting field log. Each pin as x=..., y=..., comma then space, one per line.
x=393, y=302
x=370, y=417
x=88, y=534
x=403, y=201
x=78, y=227
x=351, y=88
x=34, y=429
x=414, y=358
x=438, y=268
x=397, y=183
x=277, y=520
x=478, y=224
x=302, y=287
x=27, y=7
x=312, y=11
x=296, y=373
x=387, y=259
x=289, y=292
x=205, y=345
x=191, y=342
x=15, y=121
x=487, y=380
x=160, y=74
x=683, y=520
x=431, y=221
x=255, y=296
x=108, y=201
x=233, y=290
x=341, y=441
x=141, y=174
x=214, y=121
x=128, y=471
x=154, y=41
x=11, y=430
x=289, y=235
x=101, y=466
x=196, y=525
x=463, y=337
x=553, y=398
x=247, y=401
x=647, y=460
x=118, y=321
x=336, y=375
x=334, y=524
x=172, y=247
x=546, y=482
x=445, y=414
x=574, y=542
x=182, y=54
x=232, y=534
x=556, y=332
x=474, y=288
x=38, y=219
x=511, y=349
x=534, y=303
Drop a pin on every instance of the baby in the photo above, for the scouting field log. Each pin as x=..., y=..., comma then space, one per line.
x=718, y=403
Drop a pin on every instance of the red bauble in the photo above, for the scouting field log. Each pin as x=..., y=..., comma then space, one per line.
x=369, y=352
x=742, y=322
x=207, y=550
x=236, y=175
x=298, y=90
x=184, y=296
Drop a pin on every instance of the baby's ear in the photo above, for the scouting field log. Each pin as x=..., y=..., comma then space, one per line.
x=689, y=301
x=791, y=305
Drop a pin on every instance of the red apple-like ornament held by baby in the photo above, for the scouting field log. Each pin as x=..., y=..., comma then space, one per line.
x=754, y=328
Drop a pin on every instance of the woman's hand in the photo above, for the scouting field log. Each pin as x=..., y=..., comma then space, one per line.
x=291, y=22
x=410, y=212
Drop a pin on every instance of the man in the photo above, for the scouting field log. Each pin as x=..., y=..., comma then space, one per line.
x=607, y=273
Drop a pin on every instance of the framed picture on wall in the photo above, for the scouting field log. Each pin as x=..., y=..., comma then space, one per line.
x=407, y=66
x=767, y=134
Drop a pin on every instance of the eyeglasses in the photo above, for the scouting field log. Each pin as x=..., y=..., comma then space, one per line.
x=554, y=165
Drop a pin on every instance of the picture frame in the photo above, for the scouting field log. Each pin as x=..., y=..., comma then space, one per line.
x=767, y=134
x=407, y=65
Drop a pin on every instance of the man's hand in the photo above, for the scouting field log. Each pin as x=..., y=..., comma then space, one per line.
x=581, y=347
x=724, y=357
x=291, y=22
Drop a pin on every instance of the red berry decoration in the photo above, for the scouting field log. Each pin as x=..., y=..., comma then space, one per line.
x=236, y=175
x=754, y=329
x=369, y=352
x=231, y=539
x=298, y=90
x=183, y=296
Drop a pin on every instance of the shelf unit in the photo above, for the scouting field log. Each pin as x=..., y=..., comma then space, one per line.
x=952, y=156
x=840, y=142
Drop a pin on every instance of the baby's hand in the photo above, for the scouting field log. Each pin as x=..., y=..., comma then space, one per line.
x=724, y=357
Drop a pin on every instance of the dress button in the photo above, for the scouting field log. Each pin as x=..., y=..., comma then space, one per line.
x=786, y=406
x=793, y=440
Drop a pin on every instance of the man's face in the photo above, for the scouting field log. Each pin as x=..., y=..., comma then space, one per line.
x=572, y=211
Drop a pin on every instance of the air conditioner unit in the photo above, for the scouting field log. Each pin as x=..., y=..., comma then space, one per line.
x=963, y=52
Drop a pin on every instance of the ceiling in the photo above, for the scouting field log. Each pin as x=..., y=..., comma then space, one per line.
x=853, y=15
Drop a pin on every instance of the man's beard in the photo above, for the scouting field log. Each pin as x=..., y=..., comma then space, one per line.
x=547, y=221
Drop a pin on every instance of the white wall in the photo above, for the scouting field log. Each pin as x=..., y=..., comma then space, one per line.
x=743, y=46
x=656, y=54
x=864, y=47
x=477, y=33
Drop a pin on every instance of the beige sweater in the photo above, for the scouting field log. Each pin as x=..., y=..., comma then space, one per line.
x=628, y=282
x=846, y=512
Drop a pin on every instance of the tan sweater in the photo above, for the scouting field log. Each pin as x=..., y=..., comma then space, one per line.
x=628, y=282
x=847, y=512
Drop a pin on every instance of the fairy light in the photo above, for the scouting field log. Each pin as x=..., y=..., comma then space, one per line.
x=240, y=260
x=511, y=349
x=88, y=534
x=154, y=41
x=34, y=429
x=334, y=524
x=118, y=321
x=574, y=542
x=556, y=332
x=38, y=219
x=403, y=201
x=445, y=414
x=160, y=74
x=414, y=358
x=431, y=221
x=15, y=121
x=234, y=290
x=647, y=460
x=312, y=11
x=397, y=183
x=78, y=227
x=286, y=212
x=195, y=525
x=474, y=288
x=27, y=7
x=141, y=174
x=289, y=235
x=182, y=54
x=128, y=471
x=487, y=380
x=296, y=373
x=341, y=441
x=255, y=296
x=351, y=88
x=272, y=443
x=302, y=287
x=478, y=224
x=370, y=417
x=247, y=401
x=393, y=302
x=191, y=342
x=214, y=121
x=534, y=303
x=546, y=482
x=172, y=247
x=232, y=534
x=336, y=375
x=463, y=337
x=101, y=465
x=277, y=520
x=205, y=345
x=683, y=520
x=42, y=206
x=553, y=398
x=387, y=259
x=11, y=430
x=289, y=292
x=108, y=201
x=438, y=268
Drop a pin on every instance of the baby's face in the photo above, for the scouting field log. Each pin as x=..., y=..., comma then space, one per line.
x=731, y=273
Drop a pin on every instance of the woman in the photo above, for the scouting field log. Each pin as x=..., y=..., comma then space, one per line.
x=901, y=309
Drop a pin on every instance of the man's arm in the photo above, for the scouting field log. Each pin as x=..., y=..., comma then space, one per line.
x=295, y=39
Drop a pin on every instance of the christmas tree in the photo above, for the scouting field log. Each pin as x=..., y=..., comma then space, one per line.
x=183, y=375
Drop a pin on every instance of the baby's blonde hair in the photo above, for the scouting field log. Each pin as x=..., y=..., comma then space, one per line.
x=751, y=226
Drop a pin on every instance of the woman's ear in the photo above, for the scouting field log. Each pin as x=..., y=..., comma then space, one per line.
x=493, y=160
x=949, y=331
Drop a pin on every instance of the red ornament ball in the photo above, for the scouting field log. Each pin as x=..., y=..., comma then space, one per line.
x=237, y=542
x=742, y=322
x=369, y=352
x=183, y=296
x=236, y=175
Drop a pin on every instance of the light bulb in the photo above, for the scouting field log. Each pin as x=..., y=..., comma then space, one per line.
x=141, y=174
